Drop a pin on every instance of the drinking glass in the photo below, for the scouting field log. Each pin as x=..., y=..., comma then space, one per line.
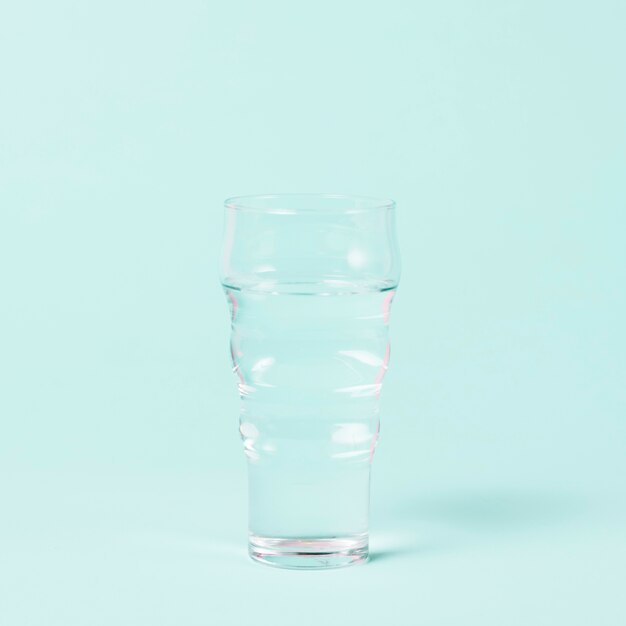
x=309, y=279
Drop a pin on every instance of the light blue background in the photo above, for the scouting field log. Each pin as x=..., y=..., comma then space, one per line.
x=499, y=127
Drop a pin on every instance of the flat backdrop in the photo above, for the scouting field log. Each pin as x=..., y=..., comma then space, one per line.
x=499, y=128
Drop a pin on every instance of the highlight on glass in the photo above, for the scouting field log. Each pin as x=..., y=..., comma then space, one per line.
x=309, y=279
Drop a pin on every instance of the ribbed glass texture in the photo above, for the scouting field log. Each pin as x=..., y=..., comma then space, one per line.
x=309, y=280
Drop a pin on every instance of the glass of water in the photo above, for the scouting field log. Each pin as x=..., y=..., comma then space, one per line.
x=309, y=279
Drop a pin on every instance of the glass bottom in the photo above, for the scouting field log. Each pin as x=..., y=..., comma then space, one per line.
x=309, y=553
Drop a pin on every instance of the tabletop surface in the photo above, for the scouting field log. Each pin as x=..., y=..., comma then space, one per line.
x=170, y=549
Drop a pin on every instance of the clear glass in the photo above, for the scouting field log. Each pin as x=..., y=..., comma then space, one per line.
x=309, y=280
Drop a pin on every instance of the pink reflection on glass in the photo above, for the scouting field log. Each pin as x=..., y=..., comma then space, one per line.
x=374, y=442
x=387, y=305
x=235, y=354
x=233, y=304
x=383, y=368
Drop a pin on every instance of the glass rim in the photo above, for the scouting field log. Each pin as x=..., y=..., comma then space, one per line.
x=261, y=203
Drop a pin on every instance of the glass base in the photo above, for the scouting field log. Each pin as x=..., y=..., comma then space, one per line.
x=309, y=553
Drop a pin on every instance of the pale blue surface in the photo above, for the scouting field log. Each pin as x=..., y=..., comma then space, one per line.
x=498, y=127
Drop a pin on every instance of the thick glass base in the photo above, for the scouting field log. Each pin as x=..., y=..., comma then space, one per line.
x=309, y=553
